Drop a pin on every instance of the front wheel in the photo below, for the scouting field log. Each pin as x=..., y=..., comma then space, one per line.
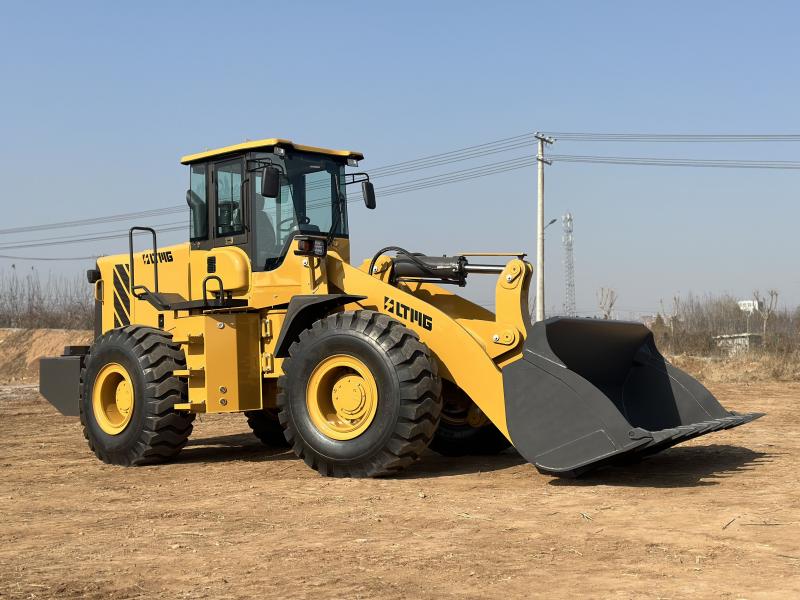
x=128, y=394
x=360, y=396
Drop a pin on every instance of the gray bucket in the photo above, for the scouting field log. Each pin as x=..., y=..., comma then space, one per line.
x=588, y=393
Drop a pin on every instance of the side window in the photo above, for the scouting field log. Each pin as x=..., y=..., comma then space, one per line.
x=318, y=199
x=229, y=198
x=198, y=203
x=266, y=215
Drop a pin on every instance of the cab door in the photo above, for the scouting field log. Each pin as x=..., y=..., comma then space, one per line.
x=229, y=219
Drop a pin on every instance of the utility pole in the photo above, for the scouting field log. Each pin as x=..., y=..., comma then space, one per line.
x=541, y=161
x=569, y=267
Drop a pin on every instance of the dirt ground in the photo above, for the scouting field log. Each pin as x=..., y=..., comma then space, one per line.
x=718, y=517
x=21, y=349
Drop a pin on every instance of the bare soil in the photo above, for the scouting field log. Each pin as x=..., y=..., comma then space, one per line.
x=21, y=349
x=718, y=517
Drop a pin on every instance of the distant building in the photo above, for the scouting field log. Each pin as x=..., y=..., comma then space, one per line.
x=751, y=306
x=738, y=343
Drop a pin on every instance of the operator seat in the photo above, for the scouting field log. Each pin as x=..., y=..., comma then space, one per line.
x=266, y=241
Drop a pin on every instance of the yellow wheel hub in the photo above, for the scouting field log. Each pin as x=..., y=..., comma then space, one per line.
x=475, y=417
x=342, y=397
x=113, y=398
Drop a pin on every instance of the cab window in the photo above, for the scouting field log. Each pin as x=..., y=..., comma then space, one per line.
x=198, y=203
x=274, y=224
x=307, y=202
x=229, y=198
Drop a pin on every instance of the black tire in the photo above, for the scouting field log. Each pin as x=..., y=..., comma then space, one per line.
x=156, y=432
x=456, y=437
x=266, y=427
x=409, y=395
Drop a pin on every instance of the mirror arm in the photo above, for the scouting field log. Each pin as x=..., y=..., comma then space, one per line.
x=260, y=163
x=363, y=176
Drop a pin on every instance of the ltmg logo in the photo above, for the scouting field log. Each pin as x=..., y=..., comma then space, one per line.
x=162, y=257
x=405, y=312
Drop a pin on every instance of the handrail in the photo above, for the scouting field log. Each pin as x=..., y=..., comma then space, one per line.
x=205, y=287
x=132, y=284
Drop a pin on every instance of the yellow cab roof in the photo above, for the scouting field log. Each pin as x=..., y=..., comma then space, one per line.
x=268, y=143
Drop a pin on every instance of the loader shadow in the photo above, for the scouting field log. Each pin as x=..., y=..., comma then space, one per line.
x=222, y=448
x=432, y=465
x=692, y=466
x=246, y=447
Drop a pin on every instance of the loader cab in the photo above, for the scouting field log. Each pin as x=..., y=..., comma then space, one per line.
x=227, y=208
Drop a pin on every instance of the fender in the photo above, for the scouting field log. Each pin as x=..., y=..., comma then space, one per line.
x=303, y=311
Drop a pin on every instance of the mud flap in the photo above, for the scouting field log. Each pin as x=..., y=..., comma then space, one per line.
x=587, y=393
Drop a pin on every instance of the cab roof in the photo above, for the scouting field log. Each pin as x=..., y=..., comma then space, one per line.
x=264, y=144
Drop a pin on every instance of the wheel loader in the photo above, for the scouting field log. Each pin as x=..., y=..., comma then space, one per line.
x=357, y=369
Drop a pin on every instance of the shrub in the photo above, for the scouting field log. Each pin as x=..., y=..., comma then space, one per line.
x=59, y=302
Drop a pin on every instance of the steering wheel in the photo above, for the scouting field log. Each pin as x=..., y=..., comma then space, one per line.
x=282, y=226
x=286, y=224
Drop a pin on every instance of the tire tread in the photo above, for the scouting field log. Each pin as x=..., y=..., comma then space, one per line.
x=165, y=431
x=419, y=395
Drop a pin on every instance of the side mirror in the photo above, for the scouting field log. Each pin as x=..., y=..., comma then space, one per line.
x=189, y=197
x=368, y=191
x=270, y=182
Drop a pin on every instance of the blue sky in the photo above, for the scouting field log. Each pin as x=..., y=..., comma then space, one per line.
x=101, y=99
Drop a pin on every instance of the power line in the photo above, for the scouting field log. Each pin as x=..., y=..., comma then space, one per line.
x=460, y=151
x=389, y=190
x=460, y=175
x=49, y=258
x=494, y=147
x=78, y=240
x=677, y=162
x=673, y=137
x=95, y=220
x=468, y=153
x=460, y=154
x=72, y=237
x=525, y=161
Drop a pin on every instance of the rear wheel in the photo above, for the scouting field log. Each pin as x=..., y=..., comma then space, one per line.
x=464, y=429
x=266, y=427
x=127, y=396
x=359, y=396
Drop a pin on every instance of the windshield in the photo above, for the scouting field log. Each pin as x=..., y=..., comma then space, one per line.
x=307, y=203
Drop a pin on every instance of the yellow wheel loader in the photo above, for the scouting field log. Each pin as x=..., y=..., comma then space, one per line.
x=357, y=368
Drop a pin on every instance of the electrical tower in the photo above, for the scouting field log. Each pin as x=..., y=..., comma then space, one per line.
x=569, y=267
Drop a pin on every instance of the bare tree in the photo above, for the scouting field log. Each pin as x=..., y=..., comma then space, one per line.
x=28, y=301
x=606, y=298
x=672, y=318
x=766, y=308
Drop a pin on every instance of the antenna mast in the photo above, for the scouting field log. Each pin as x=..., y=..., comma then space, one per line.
x=569, y=267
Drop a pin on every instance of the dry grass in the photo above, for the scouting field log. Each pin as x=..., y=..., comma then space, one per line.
x=29, y=302
x=695, y=320
x=686, y=336
x=758, y=366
